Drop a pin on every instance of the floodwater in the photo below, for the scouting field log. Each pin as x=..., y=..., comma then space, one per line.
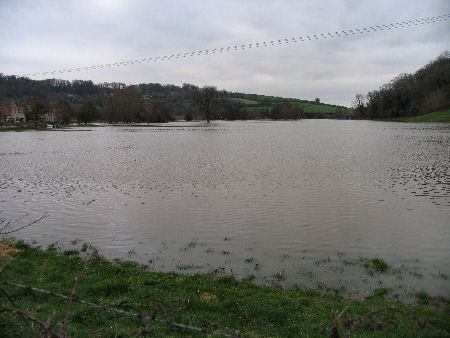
x=305, y=202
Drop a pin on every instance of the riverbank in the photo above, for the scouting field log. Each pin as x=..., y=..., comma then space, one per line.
x=442, y=116
x=19, y=129
x=176, y=305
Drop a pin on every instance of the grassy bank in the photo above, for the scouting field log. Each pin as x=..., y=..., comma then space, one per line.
x=241, y=306
x=19, y=129
x=23, y=129
x=442, y=116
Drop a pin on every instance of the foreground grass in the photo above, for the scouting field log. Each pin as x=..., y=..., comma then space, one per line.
x=242, y=306
x=442, y=116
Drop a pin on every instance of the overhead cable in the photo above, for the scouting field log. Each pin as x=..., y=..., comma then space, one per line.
x=240, y=47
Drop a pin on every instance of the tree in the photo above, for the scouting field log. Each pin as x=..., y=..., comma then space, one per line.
x=3, y=98
x=286, y=111
x=88, y=112
x=340, y=112
x=38, y=106
x=358, y=105
x=64, y=112
x=159, y=113
x=125, y=105
x=410, y=94
x=206, y=99
x=317, y=100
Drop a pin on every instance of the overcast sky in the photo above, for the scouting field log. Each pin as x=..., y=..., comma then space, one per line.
x=47, y=35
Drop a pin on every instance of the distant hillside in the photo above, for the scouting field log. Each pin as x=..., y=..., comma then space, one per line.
x=262, y=104
x=426, y=91
x=174, y=100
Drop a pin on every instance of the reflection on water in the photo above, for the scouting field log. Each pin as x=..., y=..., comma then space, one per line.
x=302, y=198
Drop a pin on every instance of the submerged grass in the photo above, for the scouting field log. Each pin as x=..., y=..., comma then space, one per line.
x=374, y=264
x=244, y=307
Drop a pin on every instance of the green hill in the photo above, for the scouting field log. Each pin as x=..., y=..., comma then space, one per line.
x=262, y=104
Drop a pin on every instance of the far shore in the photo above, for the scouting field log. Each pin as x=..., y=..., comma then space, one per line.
x=442, y=116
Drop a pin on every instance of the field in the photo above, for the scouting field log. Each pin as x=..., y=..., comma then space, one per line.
x=244, y=101
x=442, y=116
x=264, y=103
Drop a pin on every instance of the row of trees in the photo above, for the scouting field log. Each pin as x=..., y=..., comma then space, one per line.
x=425, y=91
x=148, y=102
x=286, y=111
x=127, y=104
x=38, y=109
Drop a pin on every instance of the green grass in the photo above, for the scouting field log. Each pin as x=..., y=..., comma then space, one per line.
x=264, y=102
x=23, y=129
x=83, y=125
x=257, y=108
x=374, y=264
x=252, y=310
x=316, y=108
x=246, y=102
x=442, y=116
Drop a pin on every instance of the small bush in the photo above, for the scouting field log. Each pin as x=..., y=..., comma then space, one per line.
x=71, y=253
x=380, y=292
x=379, y=265
x=423, y=297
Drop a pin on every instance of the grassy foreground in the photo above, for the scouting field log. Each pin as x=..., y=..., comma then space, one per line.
x=243, y=307
x=442, y=116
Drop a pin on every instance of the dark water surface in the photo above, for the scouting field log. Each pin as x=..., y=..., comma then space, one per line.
x=303, y=202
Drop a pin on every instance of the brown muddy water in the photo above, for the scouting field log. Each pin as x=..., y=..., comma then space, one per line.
x=305, y=202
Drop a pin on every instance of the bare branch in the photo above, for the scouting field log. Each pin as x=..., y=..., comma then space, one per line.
x=3, y=268
x=370, y=314
x=23, y=227
x=14, y=305
x=45, y=326
x=343, y=311
x=232, y=333
x=162, y=319
x=8, y=223
x=72, y=296
x=193, y=328
x=52, y=293
x=122, y=312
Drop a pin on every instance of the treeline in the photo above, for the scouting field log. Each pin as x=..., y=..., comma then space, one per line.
x=426, y=91
x=83, y=101
x=64, y=102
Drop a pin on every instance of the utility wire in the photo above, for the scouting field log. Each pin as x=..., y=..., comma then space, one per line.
x=278, y=42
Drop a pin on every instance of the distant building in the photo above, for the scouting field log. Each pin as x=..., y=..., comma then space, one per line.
x=49, y=116
x=12, y=114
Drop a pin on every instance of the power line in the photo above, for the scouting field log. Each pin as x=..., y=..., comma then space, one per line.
x=278, y=42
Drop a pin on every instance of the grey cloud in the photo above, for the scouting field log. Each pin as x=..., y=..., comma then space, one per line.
x=47, y=35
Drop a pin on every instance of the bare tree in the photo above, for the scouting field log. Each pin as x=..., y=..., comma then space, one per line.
x=358, y=105
x=206, y=100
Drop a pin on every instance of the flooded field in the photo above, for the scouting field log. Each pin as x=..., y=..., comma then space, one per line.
x=310, y=202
